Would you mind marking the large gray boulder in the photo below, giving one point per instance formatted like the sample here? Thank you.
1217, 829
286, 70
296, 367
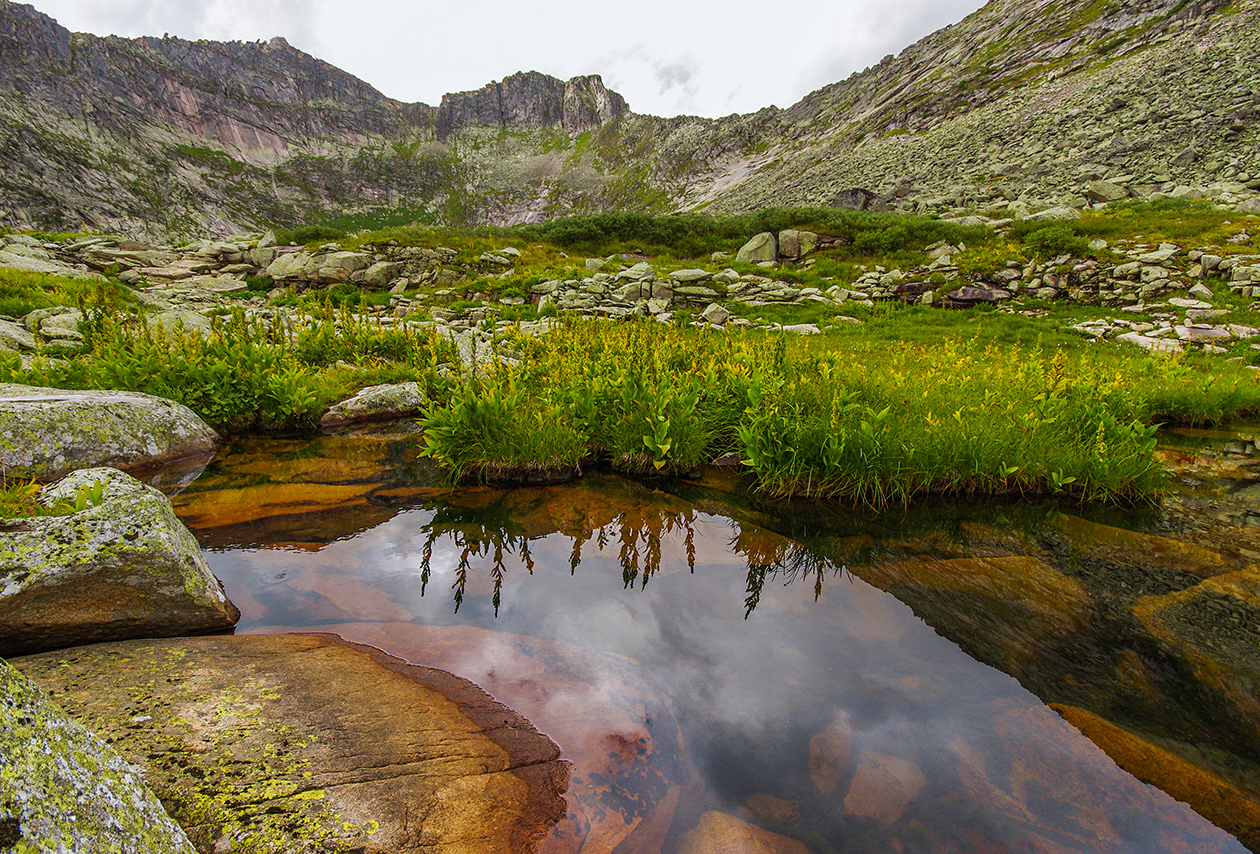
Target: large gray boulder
795, 245
125, 567
47, 432
763, 247
63, 789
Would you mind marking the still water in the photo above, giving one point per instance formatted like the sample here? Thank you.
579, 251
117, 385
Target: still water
722, 671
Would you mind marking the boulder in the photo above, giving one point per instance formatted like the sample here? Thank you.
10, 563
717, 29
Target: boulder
304, 743
1055, 214
719, 833
377, 403
46, 432
883, 788
15, 337
762, 247
64, 789
688, 276
715, 314
830, 754
1105, 191
856, 199
337, 267
795, 245
123, 567
295, 265
381, 273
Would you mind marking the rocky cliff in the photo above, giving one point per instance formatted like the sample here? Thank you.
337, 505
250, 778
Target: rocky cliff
1023, 103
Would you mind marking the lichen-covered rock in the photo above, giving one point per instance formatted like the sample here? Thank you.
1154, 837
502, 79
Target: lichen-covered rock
303, 744
762, 247
47, 432
63, 789
377, 403
124, 568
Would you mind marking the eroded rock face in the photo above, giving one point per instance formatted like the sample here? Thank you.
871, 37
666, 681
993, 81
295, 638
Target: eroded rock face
304, 743
47, 432
377, 403
124, 568
63, 789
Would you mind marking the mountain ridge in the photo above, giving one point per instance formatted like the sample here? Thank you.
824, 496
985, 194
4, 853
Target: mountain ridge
168, 136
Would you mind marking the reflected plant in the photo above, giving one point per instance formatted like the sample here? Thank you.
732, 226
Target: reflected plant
488, 535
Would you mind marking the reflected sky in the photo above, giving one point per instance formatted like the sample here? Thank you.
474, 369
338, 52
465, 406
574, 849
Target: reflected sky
619, 622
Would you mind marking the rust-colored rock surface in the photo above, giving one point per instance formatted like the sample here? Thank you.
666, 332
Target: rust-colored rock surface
305, 743
719, 833
1212, 797
611, 721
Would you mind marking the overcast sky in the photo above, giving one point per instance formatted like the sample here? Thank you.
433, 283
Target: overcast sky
666, 57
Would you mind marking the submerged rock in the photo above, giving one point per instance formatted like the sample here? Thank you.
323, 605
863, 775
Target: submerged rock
377, 403
47, 432
304, 743
123, 568
63, 789
719, 833
883, 788
1215, 627
1212, 797
1002, 610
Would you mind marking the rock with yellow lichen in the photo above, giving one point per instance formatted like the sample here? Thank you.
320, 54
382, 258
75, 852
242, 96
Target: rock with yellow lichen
63, 789
121, 567
47, 432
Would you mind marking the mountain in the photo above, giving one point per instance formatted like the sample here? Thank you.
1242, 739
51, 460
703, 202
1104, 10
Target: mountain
1024, 102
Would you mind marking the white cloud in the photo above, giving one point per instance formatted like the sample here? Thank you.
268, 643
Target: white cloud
665, 57
220, 20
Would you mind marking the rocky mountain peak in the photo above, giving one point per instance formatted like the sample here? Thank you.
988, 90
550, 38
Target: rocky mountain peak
532, 100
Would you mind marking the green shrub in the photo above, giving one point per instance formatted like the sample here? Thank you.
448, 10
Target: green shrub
1053, 240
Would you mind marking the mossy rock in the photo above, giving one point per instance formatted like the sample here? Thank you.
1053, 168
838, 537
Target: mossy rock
63, 789
47, 432
123, 568
304, 743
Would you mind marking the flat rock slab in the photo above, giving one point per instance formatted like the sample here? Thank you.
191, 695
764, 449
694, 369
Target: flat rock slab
64, 789
47, 432
305, 743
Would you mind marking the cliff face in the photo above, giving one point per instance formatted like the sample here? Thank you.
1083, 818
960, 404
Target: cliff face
1024, 99
531, 100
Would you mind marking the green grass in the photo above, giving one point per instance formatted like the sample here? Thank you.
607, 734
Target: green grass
854, 416
247, 374
22, 292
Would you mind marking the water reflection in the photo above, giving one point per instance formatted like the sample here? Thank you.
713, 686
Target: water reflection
754, 686
490, 536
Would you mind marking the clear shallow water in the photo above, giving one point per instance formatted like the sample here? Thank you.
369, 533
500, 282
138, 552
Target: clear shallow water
617, 618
